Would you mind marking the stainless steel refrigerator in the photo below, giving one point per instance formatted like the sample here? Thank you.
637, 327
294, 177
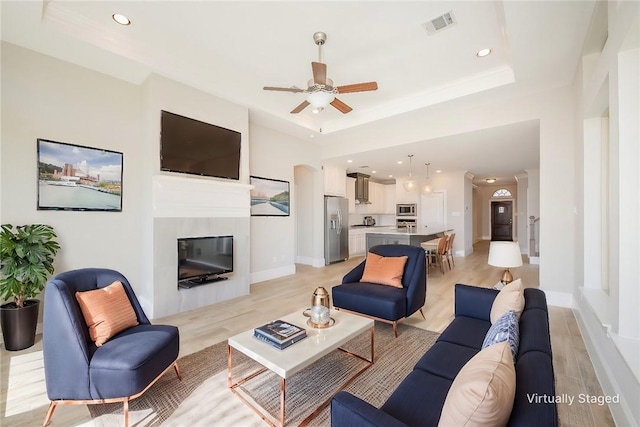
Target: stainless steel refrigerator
336, 229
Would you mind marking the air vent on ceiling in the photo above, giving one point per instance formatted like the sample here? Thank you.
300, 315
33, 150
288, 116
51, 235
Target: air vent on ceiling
440, 23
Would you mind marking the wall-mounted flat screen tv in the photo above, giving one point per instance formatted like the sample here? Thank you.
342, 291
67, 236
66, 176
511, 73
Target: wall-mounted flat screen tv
77, 178
204, 259
198, 148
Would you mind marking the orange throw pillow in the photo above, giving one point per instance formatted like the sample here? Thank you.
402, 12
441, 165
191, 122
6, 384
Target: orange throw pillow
384, 270
107, 312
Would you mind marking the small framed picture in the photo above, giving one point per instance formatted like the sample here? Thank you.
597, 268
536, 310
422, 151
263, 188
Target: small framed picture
269, 197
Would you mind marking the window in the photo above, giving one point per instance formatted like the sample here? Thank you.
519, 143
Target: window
503, 192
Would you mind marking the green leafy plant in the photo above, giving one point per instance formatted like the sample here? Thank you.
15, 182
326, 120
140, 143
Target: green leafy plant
26, 256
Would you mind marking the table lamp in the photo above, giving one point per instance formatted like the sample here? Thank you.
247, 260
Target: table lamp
506, 255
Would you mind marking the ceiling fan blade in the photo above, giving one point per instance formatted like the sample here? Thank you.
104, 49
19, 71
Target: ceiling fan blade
319, 73
358, 87
300, 107
341, 106
284, 89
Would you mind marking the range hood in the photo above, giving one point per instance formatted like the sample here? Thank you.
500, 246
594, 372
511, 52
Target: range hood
362, 187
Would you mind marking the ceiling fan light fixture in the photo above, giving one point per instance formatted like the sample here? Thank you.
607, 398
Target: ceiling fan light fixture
320, 100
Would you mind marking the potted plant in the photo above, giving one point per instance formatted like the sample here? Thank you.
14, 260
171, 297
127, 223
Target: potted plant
26, 256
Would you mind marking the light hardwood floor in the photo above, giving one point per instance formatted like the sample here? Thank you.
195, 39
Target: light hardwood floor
23, 400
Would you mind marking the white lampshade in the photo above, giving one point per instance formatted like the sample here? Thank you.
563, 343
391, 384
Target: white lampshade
505, 254
320, 99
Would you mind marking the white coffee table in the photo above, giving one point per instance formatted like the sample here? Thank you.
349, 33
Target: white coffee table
287, 362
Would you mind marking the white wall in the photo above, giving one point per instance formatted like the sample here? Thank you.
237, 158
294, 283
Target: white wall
47, 98
273, 239
522, 229
607, 292
189, 206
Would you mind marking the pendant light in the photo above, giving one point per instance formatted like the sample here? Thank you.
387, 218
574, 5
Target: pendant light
410, 184
428, 188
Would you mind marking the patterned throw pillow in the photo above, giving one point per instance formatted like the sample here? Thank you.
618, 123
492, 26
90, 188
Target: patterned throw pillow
107, 311
506, 328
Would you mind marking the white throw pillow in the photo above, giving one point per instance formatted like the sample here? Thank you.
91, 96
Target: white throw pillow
511, 297
482, 393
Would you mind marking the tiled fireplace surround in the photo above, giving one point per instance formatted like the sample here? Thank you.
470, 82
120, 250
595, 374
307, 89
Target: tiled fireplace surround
195, 207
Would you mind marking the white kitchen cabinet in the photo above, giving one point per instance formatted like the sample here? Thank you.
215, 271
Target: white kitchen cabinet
357, 242
360, 244
382, 198
373, 197
390, 199
335, 181
352, 243
351, 194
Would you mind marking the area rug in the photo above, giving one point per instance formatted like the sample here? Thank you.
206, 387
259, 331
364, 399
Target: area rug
203, 399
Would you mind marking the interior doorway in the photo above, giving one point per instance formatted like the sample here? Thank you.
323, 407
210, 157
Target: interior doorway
502, 220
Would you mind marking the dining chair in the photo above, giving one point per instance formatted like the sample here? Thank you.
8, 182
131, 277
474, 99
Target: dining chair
441, 253
430, 247
449, 250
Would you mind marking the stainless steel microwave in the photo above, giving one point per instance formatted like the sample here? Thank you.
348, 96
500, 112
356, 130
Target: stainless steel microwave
406, 209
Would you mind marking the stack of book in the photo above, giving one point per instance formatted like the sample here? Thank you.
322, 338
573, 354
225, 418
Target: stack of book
280, 334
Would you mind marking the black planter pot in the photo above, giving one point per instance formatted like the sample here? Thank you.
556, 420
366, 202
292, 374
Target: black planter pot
19, 324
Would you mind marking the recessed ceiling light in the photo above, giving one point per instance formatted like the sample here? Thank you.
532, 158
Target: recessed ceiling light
483, 52
373, 171
438, 171
349, 161
390, 176
312, 136
490, 180
121, 19
399, 162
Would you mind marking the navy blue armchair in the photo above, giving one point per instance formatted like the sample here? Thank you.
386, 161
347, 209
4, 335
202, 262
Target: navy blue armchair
381, 302
78, 372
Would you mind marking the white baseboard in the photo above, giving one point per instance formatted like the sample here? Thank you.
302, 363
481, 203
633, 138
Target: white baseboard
274, 273
614, 374
560, 299
307, 260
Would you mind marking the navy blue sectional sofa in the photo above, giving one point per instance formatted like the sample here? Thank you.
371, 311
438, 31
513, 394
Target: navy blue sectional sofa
419, 398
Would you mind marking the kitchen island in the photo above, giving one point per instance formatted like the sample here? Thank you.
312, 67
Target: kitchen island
400, 236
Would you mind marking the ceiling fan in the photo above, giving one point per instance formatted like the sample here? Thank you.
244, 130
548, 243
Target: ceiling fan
320, 90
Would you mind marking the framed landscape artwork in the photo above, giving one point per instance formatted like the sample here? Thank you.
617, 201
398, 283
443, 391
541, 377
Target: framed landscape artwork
269, 197
73, 177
